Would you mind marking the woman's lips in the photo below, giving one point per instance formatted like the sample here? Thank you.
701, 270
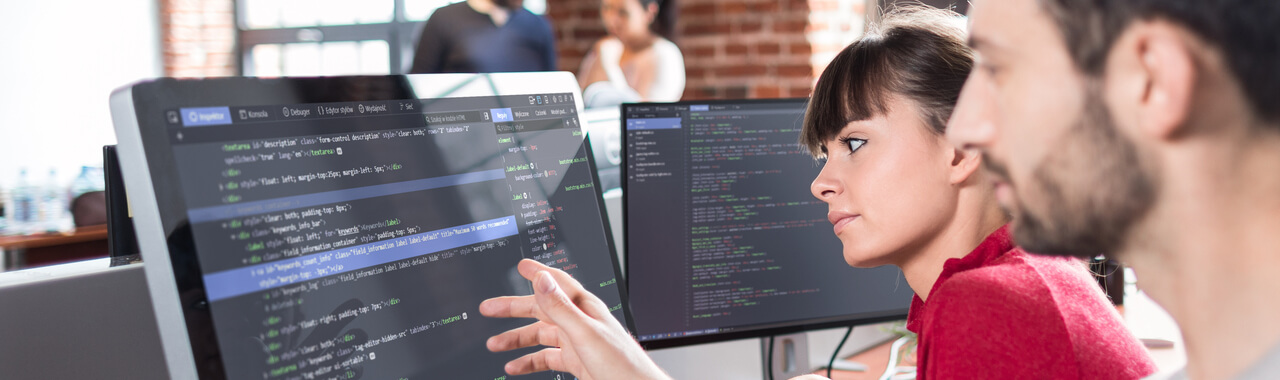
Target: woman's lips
844, 221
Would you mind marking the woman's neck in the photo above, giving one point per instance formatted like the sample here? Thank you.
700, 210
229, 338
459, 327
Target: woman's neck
978, 216
639, 44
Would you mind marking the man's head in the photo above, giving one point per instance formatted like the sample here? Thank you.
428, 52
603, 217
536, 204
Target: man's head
1074, 101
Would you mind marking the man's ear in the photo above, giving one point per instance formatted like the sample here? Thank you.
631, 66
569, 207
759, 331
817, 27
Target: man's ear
964, 162
1151, 78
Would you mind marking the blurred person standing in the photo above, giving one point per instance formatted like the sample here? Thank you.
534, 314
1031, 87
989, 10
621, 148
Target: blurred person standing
484, 36
637, 60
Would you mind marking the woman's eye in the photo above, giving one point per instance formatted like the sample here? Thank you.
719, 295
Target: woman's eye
853, 144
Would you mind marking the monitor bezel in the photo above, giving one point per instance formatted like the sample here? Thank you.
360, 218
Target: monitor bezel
780, 328
142, 161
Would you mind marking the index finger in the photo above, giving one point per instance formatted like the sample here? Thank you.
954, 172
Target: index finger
529, 269
510, 307
589, 303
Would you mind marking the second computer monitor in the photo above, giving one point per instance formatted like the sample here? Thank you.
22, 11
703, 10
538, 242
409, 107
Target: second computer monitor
724, 240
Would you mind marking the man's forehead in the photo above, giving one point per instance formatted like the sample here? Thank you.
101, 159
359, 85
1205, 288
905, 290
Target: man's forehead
987, 20
1000, 25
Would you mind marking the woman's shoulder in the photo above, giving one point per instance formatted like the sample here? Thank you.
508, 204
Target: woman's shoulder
664, 47
1013, 281
1008, 301
609, 45
607, 41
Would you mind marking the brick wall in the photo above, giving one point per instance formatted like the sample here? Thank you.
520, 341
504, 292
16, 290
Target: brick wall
733, 48
199, 38
576, 25
833, 24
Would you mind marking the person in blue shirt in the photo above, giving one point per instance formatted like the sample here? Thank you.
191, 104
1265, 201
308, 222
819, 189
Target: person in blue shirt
484, 36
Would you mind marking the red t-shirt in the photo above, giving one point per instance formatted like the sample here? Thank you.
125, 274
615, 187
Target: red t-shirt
1000, 313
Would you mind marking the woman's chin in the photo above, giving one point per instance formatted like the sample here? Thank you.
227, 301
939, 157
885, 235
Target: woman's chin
861, 260
859, 254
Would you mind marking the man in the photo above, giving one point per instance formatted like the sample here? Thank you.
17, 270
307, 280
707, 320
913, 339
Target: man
1148, 130
484, 36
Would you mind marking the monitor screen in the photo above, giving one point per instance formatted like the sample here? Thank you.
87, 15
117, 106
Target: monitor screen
724, 239
349, 227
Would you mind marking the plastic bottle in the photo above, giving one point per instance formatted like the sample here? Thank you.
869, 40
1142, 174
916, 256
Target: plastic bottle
83, 183
53, 205
23, 207
98, 178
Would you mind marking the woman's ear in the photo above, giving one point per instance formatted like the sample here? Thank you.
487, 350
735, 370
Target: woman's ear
652, 11
964, 162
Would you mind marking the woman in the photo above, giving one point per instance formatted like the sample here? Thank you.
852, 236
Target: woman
636, 61
898, 194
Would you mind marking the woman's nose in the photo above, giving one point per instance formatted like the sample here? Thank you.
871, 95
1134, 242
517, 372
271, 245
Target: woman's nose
826, 185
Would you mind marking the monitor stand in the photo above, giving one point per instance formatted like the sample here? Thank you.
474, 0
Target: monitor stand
790, 356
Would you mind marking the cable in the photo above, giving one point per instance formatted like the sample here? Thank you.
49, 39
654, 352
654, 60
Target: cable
835, 353
769, 358
892, 369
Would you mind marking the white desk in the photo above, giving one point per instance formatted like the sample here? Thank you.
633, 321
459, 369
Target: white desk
80, 320
1148, 321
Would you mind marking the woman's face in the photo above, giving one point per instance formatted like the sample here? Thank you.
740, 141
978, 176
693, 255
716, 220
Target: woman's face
628, 20
886, 184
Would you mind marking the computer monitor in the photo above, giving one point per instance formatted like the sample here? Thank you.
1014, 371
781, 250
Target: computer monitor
349, 227
122, 239
724, 240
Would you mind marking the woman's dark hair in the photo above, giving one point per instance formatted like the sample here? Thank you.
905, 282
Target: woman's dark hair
664, 23
916, 52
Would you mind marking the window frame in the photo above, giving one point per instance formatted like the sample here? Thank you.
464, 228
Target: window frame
400, 34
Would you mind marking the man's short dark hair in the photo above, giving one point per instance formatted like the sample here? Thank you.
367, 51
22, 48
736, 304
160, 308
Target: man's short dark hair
1247, 32
915, 52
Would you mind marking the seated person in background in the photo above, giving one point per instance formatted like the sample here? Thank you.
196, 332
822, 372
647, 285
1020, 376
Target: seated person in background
484, 36
636, 62
899, 194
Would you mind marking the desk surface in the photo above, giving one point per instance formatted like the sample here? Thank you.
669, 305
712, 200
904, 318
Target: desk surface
80, 234
875, 358
1146, 319
51, 248
17, 277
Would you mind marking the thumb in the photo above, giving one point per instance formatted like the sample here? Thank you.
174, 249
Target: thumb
556, 304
